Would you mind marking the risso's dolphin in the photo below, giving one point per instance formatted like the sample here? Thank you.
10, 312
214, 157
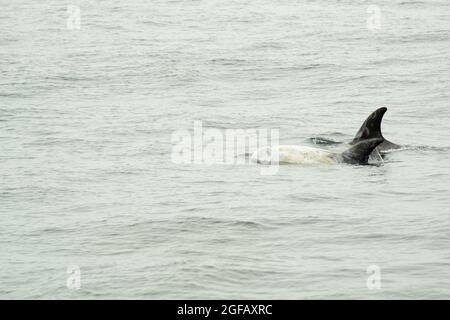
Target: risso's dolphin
371, 128
368, 143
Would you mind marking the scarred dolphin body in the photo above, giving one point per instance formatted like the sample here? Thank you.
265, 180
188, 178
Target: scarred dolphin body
368, 141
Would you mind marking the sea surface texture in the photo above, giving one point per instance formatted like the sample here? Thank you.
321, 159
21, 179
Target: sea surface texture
93, 205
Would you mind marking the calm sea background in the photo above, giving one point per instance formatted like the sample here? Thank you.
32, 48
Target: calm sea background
86, 178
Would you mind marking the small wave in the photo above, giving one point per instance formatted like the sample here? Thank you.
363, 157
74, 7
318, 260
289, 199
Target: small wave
412, 3
323, 141
229, 62
190, 223
418, 148
218, 221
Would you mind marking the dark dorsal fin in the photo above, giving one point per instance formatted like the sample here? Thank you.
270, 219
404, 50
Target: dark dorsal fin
360, 152
371, 128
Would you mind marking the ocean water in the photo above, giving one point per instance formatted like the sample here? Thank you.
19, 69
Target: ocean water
88, 190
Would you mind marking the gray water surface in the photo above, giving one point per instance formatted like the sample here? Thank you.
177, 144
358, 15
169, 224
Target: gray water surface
86, 177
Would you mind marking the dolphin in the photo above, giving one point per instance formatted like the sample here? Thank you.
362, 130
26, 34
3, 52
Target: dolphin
371, 128
367, 144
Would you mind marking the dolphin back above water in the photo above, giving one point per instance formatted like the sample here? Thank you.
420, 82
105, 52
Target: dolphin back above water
367, 140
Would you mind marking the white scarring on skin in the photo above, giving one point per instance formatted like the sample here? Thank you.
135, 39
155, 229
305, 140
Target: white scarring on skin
293, 154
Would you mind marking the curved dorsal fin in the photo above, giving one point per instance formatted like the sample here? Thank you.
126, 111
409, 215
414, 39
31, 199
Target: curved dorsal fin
371, 128
360, 152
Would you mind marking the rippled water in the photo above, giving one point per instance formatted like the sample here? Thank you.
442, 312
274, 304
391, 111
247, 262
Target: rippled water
86, 118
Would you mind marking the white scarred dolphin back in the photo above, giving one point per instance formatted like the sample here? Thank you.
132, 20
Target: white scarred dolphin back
293, 154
